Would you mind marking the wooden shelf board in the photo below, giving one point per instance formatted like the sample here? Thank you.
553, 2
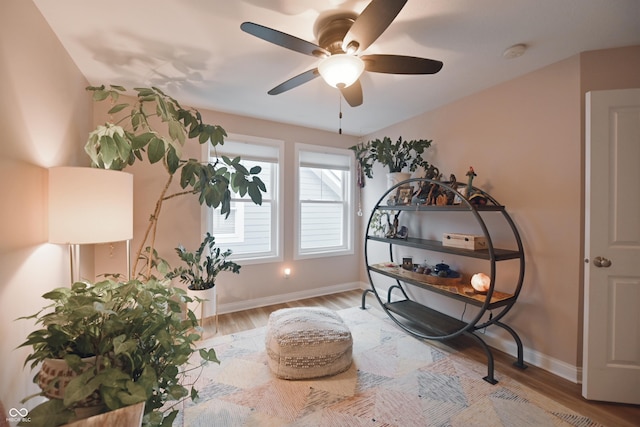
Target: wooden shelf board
452, 287
425, 320
437, 246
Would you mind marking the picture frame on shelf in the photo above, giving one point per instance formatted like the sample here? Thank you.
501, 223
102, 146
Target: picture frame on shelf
404, 195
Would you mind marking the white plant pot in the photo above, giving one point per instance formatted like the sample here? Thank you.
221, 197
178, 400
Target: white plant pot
203, 309
395, 177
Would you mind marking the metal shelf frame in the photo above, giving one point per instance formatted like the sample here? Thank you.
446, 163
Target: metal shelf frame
427, 323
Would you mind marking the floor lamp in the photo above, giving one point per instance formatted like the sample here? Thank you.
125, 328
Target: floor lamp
88, 206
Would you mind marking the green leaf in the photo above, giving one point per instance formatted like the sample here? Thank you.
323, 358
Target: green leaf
173, 161
112, 377
171, 371
209, 355
51, 413
177, 392
117, 108
135, 393
123, 146
108, 150
156, 150
141, 141
259, 183
161, 108
122, 346
74, 361
56, 294
144, 91
204, 136
135, 120
239, 167
187, 176
218, 136
194, 128
80, 387
100, 95
255, 194
176, 131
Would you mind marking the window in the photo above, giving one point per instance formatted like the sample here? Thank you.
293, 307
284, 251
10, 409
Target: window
252, 232
324, 201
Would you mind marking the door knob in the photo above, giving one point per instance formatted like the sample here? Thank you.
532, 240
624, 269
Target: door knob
601, 262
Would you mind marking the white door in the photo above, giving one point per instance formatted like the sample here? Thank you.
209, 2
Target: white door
611, 353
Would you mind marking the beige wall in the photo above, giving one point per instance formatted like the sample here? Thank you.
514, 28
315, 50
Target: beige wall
44, 117
525, 140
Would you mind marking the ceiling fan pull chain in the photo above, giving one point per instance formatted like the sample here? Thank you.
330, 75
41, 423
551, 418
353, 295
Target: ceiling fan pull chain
340, 114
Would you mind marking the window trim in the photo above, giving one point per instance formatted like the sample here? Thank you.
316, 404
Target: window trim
276, 254
348, 214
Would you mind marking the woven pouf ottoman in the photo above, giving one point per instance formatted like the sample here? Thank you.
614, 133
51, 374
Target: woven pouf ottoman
307, 342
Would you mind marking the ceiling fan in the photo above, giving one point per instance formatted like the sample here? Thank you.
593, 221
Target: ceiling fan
340, 41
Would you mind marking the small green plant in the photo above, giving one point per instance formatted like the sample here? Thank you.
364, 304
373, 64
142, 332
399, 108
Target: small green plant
201, 274
381, 222
394, 156
140, 334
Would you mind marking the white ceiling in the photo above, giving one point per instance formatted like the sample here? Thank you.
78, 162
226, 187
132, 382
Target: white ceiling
196, 52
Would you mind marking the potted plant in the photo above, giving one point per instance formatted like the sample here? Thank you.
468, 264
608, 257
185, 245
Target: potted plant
200, 271
140, 342
395, 156
136, 334
201, 274
134, 133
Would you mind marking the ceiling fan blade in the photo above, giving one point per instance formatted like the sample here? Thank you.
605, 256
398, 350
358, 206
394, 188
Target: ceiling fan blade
374, 19
353, 94
283, 39
398, 64
295, 81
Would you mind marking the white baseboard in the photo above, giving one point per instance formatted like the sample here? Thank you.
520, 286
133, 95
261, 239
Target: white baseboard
282, 298
535, 358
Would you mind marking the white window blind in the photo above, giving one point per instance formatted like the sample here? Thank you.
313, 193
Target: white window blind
252, 232
324, 219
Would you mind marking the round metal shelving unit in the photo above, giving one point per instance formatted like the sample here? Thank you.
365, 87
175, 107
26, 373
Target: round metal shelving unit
427, 323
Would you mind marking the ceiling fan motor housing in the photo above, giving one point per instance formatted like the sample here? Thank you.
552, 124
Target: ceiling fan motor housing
332, 33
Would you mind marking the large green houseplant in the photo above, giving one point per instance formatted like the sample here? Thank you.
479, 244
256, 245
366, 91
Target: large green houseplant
395, 156
156, 127
203, 265
138, 329
142, 341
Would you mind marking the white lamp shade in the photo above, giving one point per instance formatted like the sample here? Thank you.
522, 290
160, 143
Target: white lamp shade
341, 69
88, 205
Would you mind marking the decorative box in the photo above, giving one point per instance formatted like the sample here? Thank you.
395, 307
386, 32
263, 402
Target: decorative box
464, 241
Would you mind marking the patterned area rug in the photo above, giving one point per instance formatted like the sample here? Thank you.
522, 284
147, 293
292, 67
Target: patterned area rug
395, 380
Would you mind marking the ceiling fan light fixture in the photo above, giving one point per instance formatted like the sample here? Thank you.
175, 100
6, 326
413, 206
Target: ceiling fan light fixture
341, 69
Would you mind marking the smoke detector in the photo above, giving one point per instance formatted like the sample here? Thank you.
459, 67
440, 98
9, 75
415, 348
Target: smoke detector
514, 51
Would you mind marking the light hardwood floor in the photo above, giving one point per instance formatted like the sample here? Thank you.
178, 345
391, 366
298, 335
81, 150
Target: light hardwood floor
552, 386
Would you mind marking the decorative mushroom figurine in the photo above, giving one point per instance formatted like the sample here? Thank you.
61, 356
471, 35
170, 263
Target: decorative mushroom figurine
481, 283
